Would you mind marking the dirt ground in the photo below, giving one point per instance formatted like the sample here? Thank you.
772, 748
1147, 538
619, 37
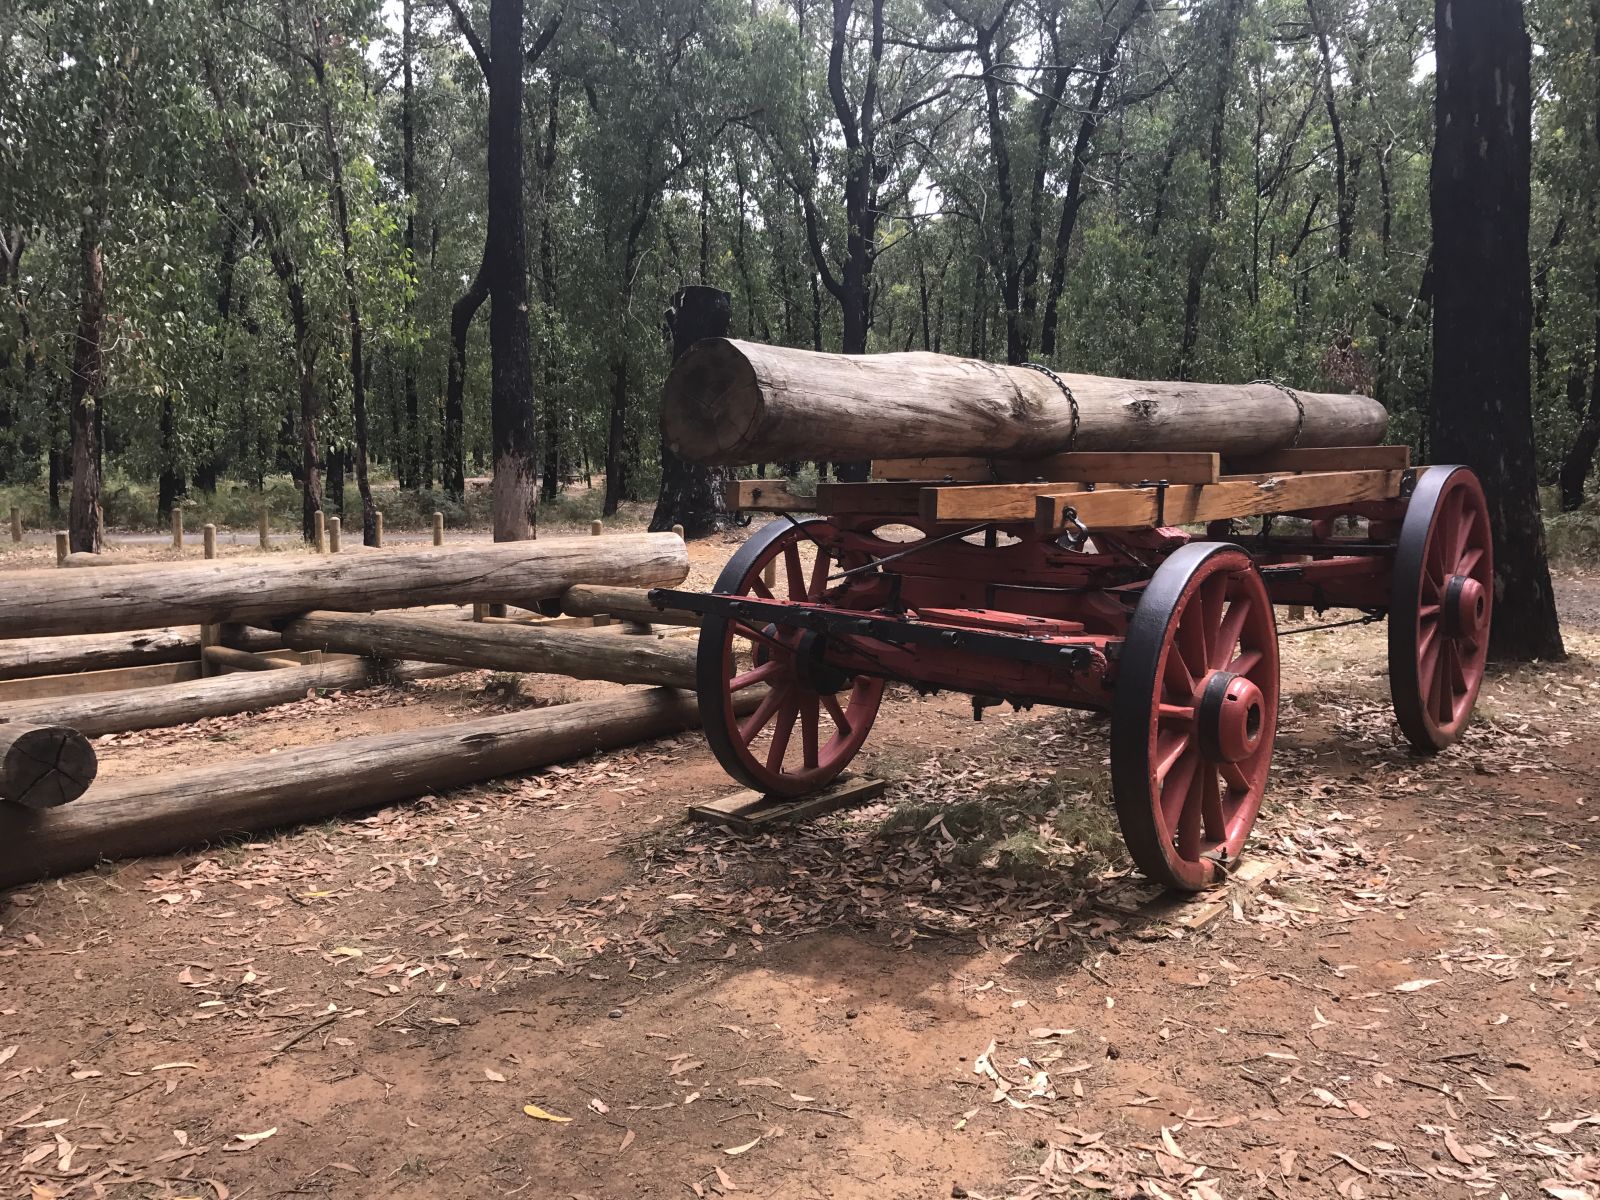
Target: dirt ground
555, 986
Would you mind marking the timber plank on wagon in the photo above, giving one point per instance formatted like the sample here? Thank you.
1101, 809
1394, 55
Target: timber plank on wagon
1323, 458
1195, 504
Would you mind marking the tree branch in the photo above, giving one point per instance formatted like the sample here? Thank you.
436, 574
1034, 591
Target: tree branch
464, 24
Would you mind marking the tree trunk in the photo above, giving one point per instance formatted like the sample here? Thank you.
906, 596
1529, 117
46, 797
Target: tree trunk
411, 450
514, 435
1482, 317
219, 696
580, 654
51, 602
88, 378
691, 494
730, 402
452, 451
358, 374
203, 804
1203, 243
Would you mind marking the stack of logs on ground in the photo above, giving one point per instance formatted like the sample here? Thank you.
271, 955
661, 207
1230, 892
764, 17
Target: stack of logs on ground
122, 648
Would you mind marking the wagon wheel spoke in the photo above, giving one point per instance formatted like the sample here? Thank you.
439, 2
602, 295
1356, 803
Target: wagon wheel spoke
1469, 561
755, 675
1176, 674
808, 729
1232, 626
770, 703
1189, 820
1175, 712
840, 720
781, 731
819, 575
1216, 824
1173, 793
794, 571
1247, 661
1168, 758
760, 588
1235, 774
760, 635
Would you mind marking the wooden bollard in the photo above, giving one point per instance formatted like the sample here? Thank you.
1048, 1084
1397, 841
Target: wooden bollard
63, 546
319, 525
377, 529
177, 528
16, 523
678, 529
335, 529
210, 635
438, 529
769, 574
208, 534
266, 528
597, 527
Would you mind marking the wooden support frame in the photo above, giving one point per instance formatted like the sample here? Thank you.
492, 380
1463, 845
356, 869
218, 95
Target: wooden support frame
766, 495
1080, 466
1194, 504
1321, 459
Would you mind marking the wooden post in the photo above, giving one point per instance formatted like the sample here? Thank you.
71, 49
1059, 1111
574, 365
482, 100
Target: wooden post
377, 529
266, 528
63, 546
335, 528
16, 523
769, 574
678, 529
438, 529
177, 527
210, 635
320, 531
44, 766
597, 527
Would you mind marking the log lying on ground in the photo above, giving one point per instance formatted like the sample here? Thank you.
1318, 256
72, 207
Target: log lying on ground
168, 812
44, 766
732, 402
625, 604
220, 696
497, 647
28, 657
47, 603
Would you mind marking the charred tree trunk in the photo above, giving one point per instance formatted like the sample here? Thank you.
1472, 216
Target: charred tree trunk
452, 450
691, 494
413, 473
1204, 243
83, 519
358, 374
1482, 409
514, 436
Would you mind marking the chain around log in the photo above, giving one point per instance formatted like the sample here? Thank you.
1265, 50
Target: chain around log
1072, 401
1299, 406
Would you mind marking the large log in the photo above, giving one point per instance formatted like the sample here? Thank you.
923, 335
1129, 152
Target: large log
167, 812
729, 401
219, 696
625, 604
28, 657
497, 647
44, 766
48, 603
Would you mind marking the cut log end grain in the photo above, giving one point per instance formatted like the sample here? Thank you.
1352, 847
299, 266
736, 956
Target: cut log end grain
730, 402
44, 766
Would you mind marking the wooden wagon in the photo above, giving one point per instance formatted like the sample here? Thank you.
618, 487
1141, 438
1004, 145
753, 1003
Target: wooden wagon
1084, 580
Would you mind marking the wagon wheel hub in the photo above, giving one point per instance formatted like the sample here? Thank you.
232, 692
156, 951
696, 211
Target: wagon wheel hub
811, 668
1231, 713
1466, 607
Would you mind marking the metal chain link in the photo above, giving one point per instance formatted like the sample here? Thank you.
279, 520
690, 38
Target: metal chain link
1072, 401
1299, 406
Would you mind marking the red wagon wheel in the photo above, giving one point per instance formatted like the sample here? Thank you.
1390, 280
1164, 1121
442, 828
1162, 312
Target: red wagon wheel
833, 711
1442, 602
1194, 715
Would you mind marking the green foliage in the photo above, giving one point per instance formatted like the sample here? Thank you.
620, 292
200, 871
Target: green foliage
679, 141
